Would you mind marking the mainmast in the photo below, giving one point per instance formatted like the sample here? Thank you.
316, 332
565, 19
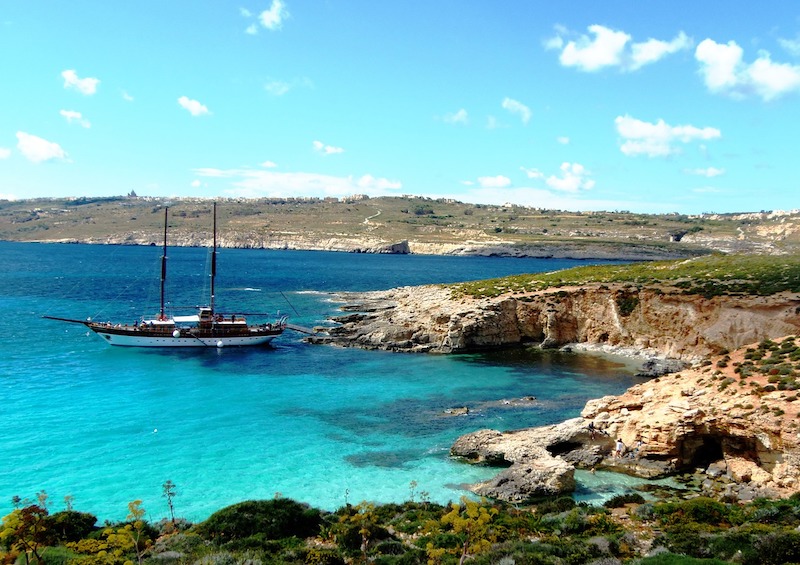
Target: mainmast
161, 315
214, 259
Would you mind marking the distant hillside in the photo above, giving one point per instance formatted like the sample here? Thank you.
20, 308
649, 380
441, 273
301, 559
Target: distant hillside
398, 225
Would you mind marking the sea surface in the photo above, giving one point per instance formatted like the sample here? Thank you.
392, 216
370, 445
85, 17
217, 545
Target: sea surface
320, 424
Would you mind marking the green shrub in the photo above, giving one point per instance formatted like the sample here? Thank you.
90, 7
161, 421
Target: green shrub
622, 499
272, 519
70, 525
779, 547
700, 510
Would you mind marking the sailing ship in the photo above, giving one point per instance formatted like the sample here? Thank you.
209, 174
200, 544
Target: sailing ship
205, 328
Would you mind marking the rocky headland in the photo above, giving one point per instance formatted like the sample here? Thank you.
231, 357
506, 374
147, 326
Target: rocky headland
722, 400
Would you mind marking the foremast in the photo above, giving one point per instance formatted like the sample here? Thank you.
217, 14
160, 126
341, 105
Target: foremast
161, 314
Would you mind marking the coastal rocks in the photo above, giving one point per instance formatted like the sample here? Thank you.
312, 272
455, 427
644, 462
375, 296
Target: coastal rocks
530, 479
741, 440
662, 324
533, 459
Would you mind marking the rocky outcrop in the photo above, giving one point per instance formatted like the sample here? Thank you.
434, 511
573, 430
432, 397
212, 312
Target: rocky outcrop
656, 322
741, 429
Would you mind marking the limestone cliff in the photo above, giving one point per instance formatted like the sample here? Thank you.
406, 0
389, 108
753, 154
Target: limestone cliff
662, 322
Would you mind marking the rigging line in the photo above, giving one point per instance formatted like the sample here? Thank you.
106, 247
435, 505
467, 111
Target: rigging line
289, 303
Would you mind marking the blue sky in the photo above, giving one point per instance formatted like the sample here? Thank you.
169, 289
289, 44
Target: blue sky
656, 106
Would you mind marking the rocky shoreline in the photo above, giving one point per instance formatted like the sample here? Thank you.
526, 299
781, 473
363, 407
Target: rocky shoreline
698, 414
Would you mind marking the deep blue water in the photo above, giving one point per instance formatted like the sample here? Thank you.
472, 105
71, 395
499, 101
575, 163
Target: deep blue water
320, 424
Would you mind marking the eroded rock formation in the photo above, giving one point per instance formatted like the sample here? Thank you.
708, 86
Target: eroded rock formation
660, 323
743, 428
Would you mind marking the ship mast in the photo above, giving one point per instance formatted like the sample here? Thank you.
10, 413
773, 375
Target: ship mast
161, 315
214, 259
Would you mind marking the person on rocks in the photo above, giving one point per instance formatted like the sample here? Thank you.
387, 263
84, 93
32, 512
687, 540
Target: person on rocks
637, 448
592, 430
619, 449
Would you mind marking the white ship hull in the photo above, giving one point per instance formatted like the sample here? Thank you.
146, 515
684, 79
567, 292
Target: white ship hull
127, 340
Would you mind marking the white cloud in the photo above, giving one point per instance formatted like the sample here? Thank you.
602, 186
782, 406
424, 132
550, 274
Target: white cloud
272, 18
323, 149
277, 87
73, 116
196, 184
252, 29
368, 182
5, 153
654, 50
725, 72
269, 165
574, 177
499, 181
563, 140
533, 173
592, 54
194, 107
281, 87
792, 46
86, 86
38, 150
518, 108
245, 13
459, 117
658, 139
708, 172
127, 97
252, 183
611, 48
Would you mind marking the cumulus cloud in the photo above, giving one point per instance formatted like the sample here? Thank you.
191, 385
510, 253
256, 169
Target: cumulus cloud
38, 150
563, 140
658, 139
277, 87
85, 86
498, 181
533, 173
708, 172
792, 46
459, 117
573, 178
281, 87
612, 48
517, 108
5, 153
75, 117
654, 50
194, 107
269, 165
254, 183
273, 18
323, 149
127, 97
725, 72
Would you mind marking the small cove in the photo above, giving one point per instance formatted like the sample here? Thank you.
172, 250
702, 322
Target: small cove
320, 424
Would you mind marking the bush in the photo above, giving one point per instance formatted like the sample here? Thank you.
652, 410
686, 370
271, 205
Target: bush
70, 525
701, 510
622, 499
272, 519
779, 547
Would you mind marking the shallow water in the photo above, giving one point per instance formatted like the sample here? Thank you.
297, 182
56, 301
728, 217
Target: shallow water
320, 424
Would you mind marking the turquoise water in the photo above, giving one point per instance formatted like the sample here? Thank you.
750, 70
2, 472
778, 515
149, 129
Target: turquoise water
319, 424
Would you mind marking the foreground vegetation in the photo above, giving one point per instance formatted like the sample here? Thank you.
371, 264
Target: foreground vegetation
278, 531
709, 276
